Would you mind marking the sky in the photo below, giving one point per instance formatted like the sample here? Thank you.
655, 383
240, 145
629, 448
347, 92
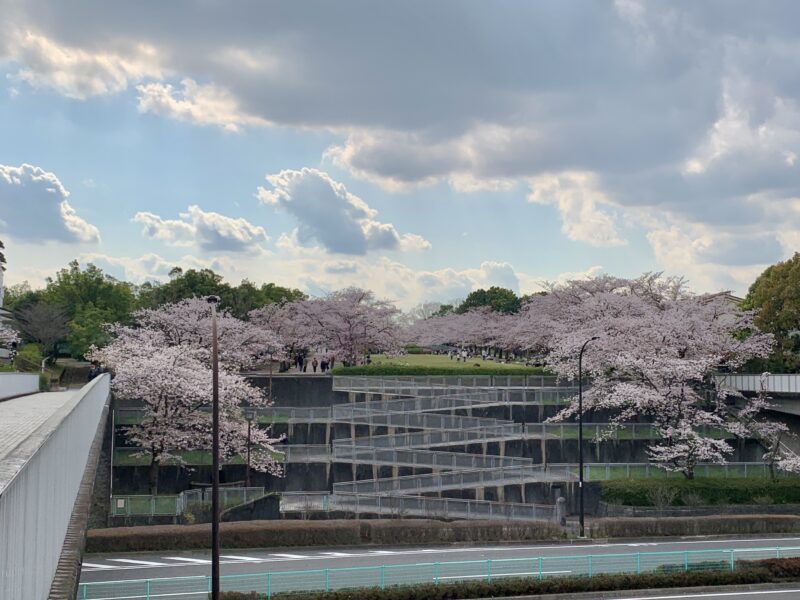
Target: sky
420, 149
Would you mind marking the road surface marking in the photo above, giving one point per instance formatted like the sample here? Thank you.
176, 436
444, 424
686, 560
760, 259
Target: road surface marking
96, 566
484, 575
247, 558
197, 561
138, 562
293, 556
338, 554
380, 552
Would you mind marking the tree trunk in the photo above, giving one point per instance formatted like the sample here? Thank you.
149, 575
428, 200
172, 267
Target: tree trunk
153, 477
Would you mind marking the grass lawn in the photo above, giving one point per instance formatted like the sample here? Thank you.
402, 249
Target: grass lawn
439, 361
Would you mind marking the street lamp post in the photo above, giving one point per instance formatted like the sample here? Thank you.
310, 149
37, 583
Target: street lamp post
249, 414
580, 434
213, 300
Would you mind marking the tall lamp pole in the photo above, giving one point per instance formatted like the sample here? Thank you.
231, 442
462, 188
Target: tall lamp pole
580, 434
213, 301
249, 415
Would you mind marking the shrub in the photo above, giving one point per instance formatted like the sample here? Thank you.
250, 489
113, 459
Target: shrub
29, 358
241, 534
388, 370
782, 568
682, 526
422, 531
705, 490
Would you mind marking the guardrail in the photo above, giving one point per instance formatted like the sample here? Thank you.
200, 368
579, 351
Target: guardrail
386, 576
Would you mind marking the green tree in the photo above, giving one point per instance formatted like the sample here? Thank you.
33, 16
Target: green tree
182, 285
87, 328
498, 299
89, 294
775, 295
21, 295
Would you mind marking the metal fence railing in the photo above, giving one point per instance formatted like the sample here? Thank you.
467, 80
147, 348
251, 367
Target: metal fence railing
450, 480
386, 576
174, 505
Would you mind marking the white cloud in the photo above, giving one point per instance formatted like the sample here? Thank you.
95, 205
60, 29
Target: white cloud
210, 231
81, 73
34, 207
577, 197
152, 267
327, 213
200, 104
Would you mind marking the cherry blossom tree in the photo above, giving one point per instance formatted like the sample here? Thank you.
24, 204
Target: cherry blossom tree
657, 350
347, 324
8, 335
163, 360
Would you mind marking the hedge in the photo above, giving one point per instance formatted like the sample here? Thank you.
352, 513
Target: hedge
628, 527
703, 490
241, 534
344, 532
424, 531
507, 587
410, 370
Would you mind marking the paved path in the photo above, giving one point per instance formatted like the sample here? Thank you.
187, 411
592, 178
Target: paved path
113, 567
20, 417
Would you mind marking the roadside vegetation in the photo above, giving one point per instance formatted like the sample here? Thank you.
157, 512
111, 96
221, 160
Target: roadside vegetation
707, 574
702, 491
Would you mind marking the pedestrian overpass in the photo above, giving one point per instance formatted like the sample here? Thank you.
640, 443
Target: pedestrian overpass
784, 389
49, 447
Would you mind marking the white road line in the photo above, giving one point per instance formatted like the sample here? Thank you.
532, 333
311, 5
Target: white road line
138, 562
380, 552
245, 558
338, 554
585, 549
96, 566
483, 575
718, 594
196, 561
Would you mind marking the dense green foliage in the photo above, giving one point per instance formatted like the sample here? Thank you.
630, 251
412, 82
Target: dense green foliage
91, 298
240, 299
505, 587
496, 298
466, 369
29, 358
776, 297
702, 491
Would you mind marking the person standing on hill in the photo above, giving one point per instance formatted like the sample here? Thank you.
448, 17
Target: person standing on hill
314, 364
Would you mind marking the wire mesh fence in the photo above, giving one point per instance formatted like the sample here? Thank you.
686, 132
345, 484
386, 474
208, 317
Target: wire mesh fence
385, 576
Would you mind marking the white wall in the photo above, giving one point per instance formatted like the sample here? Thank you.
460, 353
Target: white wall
37, 503
17, 384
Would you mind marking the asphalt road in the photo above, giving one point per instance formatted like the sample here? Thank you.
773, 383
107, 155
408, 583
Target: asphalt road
780, 594
165, 564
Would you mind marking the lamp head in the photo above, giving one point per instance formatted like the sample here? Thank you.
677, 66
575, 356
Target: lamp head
212, 299
595, 338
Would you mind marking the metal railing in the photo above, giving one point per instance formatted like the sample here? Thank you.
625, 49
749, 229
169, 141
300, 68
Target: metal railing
386, 576
380, 384
432, 482
174, 505
424, 458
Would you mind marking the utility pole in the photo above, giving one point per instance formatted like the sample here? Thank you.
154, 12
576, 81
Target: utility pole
580, 434
213, 301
